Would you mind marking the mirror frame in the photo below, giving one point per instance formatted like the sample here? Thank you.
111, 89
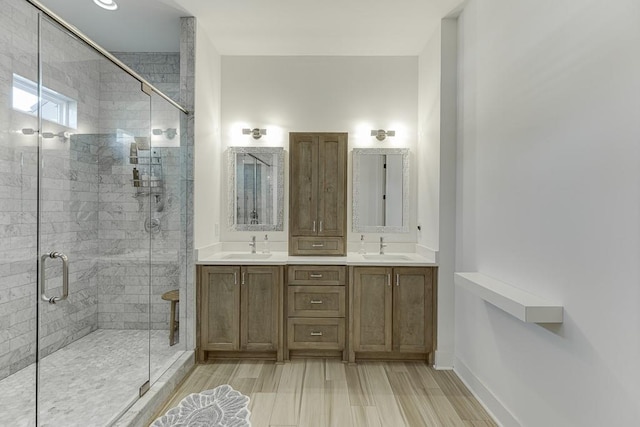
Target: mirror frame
232, 153
356, 226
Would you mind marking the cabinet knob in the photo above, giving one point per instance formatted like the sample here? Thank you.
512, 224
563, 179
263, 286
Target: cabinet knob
315, 276
317, 245
316, 334
316, 301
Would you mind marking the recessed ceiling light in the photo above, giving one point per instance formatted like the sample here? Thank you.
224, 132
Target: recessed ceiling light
106, 4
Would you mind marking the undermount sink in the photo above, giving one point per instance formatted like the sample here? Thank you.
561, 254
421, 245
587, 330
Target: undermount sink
247, 256
386, 257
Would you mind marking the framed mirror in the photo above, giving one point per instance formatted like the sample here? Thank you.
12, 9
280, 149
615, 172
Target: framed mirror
256, 188
381, 190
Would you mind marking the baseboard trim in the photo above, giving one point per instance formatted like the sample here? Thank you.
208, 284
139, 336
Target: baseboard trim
500, 414
444, 361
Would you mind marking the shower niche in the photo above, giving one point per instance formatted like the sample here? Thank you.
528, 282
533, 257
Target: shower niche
147, 175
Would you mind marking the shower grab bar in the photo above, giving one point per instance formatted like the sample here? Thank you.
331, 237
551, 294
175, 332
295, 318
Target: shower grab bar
65, 277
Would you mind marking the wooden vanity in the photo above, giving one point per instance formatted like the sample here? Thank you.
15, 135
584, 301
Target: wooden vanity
239, 311
317, 300
316, 310
347, 311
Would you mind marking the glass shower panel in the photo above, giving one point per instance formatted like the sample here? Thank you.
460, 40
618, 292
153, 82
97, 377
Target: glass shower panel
168, 255
18, 220
94, 250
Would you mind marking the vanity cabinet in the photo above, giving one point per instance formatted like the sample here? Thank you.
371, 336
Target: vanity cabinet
393, 314
239, 311
317, 193
316, 308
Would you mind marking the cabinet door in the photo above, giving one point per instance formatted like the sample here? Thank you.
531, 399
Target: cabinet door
220, 309
372, 308
259, 311
332, 184
413, 310
303, 185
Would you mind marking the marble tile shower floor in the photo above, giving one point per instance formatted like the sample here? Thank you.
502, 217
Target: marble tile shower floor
87, 383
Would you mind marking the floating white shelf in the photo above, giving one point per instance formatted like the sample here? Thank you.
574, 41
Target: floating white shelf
518, 303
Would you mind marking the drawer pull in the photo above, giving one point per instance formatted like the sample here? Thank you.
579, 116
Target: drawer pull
316, 301
316, 334
316, 276
317, 245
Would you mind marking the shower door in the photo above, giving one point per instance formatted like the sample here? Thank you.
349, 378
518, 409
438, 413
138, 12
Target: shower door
94, 270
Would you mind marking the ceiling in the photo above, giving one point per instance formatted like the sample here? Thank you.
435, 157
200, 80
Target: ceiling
259, 27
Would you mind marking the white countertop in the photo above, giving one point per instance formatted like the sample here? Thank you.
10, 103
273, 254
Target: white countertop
408, 259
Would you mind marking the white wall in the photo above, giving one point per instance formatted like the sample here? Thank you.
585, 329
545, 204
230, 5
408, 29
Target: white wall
429, 141
549, 200
208, 150
437, 171
320, 94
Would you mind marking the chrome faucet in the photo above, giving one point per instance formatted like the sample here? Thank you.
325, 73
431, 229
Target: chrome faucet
253, 244
382, 245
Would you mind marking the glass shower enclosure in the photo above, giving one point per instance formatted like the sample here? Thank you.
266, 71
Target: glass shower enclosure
92, 204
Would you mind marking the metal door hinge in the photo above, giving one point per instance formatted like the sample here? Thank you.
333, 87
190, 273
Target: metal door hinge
144, 388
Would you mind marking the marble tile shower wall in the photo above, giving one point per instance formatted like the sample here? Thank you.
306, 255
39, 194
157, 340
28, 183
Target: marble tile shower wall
68, 192
89, 210
123, 280
69, 224
161, 69
124, 301
18, 192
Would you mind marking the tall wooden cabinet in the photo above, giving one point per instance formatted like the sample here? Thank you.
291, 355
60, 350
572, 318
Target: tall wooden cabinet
239, 310
317, 193
393, 312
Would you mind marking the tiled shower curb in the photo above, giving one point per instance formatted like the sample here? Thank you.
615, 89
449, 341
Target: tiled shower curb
140, 414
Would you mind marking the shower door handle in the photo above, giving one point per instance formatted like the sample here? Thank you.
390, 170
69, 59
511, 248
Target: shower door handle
65, 277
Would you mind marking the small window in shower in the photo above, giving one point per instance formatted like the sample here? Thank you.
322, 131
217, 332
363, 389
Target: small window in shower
56, 107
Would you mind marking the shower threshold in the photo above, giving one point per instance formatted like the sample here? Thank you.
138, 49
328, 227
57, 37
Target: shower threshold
79, 386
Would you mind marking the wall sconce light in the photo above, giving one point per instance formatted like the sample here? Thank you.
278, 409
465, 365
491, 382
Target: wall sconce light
48, 135
382, 134
62, 135
170, 133
255, 132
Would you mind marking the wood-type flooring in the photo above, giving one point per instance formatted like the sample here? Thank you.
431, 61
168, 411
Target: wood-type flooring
325, 392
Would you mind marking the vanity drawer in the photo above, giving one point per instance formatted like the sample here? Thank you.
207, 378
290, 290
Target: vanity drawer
317, 245
316, 334
331, 275
316, 301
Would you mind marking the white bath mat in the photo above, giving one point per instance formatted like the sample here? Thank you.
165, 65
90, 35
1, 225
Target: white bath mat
221, 407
